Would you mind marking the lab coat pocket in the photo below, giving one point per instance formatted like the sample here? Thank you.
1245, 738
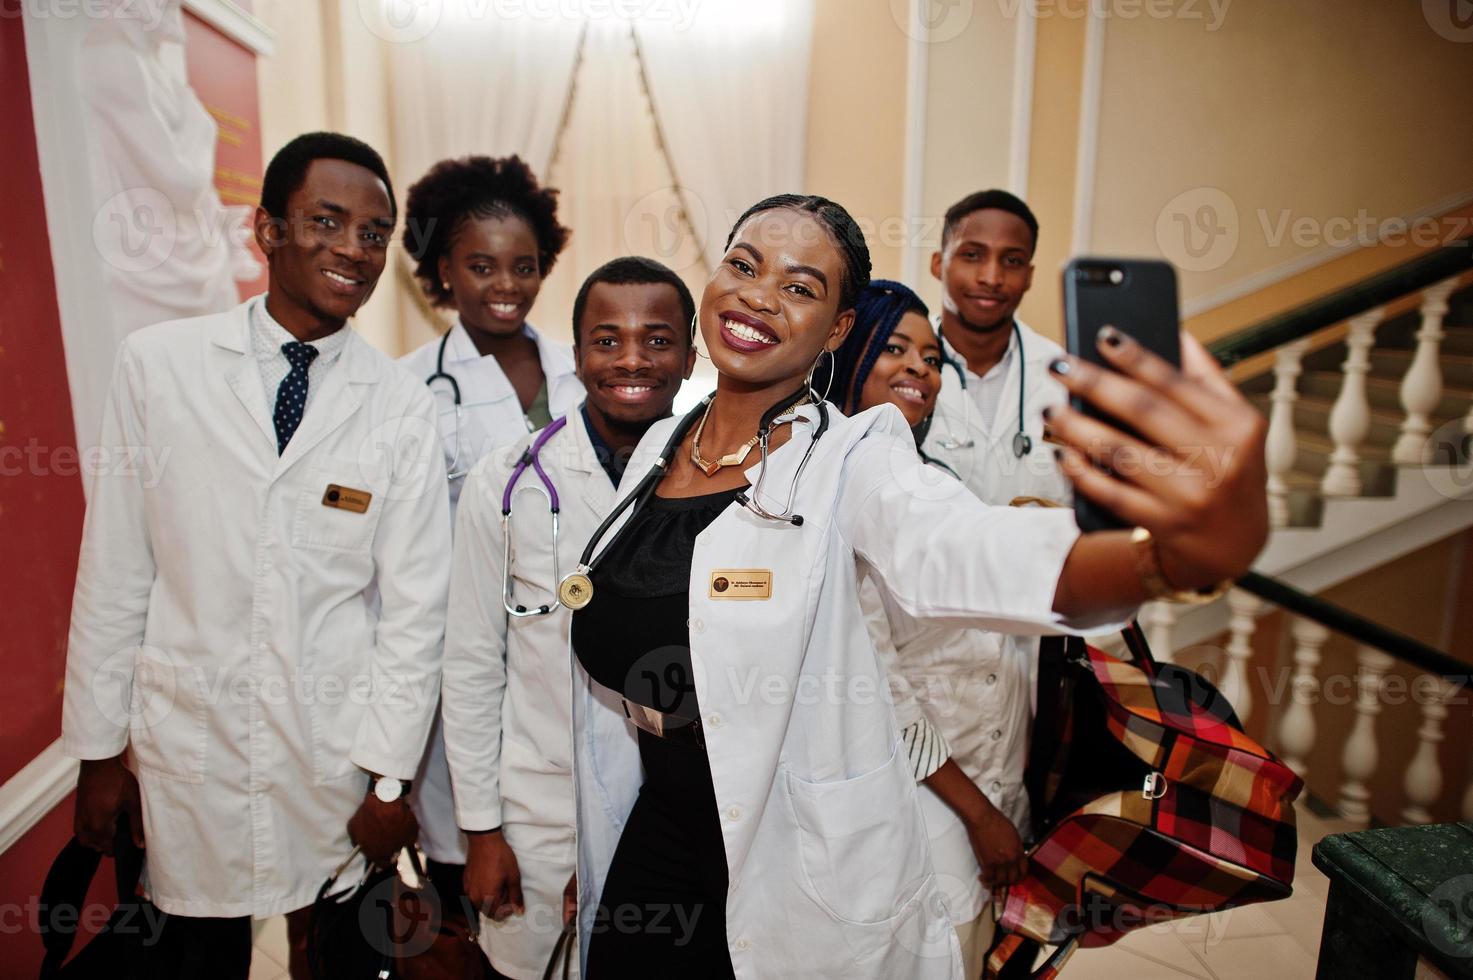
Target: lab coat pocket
330, 510
166, 730
861, 842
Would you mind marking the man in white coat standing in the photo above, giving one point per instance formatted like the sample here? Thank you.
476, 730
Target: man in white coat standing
507, 701
988, 425
988, 428
255, 637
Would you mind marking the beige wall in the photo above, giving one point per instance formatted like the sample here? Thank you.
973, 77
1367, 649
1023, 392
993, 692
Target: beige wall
1312, 110
968, 122
856, 116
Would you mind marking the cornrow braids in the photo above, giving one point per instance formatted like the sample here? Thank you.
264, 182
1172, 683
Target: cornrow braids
455, 191
877, 314
840, 224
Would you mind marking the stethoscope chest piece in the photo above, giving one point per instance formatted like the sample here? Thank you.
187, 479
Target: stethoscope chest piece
575, 590
1022, 444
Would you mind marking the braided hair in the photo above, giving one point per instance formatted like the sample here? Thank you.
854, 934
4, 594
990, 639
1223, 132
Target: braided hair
877, 314
846, 234
454, 191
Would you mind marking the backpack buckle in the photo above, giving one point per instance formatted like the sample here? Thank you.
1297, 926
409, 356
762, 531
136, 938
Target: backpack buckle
1155, 786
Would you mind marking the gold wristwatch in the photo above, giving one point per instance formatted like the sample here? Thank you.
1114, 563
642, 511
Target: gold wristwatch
1148, 566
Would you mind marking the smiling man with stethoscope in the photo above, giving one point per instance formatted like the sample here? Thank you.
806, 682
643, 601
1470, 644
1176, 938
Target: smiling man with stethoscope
526, 514
988, 425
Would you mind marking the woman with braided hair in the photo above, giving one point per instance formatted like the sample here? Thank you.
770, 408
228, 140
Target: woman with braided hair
962, 696
745, 806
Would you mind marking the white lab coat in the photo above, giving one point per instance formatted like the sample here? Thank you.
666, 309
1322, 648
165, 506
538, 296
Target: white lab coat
989, 468
233, 606
491, 417
506, 710
830, 871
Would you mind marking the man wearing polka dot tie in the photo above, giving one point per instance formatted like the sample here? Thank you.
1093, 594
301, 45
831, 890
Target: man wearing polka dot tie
253, 663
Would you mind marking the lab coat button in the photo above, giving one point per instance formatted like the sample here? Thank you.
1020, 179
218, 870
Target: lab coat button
991, 679
714, 720
699, 625
733, 813
743, 944
996, 734
996, 786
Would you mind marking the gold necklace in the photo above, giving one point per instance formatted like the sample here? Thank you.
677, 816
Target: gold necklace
735, 457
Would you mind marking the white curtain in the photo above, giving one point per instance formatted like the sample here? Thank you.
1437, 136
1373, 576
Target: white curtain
476, 83
615, 187
731, 93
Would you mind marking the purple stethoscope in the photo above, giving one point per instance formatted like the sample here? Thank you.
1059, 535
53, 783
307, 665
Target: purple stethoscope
530, 458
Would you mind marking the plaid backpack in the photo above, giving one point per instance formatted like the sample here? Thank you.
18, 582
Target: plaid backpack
1150, 804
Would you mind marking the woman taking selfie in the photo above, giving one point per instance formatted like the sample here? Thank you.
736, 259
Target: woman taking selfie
764, 822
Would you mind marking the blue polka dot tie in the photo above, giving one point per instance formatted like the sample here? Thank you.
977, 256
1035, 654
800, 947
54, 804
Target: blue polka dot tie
291, 394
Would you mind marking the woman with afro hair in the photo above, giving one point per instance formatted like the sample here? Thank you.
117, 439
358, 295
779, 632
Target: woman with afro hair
484, 234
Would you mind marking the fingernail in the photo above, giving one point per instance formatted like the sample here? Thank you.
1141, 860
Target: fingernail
1048, 413
1111, 337
1059, 365
1058, 456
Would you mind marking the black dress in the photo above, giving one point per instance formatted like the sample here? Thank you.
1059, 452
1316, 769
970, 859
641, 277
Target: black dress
663, 909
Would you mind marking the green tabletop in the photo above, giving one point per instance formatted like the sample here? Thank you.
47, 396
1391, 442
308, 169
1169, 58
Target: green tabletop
1397, 894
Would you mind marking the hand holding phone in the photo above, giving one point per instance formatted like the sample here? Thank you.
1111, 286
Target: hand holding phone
1176, 450
1136, 297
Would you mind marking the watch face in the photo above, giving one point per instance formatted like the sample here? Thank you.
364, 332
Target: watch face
388, 789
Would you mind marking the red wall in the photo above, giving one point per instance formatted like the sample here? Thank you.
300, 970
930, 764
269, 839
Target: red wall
223, 75
41, 500
40, 493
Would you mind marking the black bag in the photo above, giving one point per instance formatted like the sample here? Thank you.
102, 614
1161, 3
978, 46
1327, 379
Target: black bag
351, 932
117, 951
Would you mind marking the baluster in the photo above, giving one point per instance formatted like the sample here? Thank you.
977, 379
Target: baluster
1421, 389
1159, 621
1282, 447
1424, 776
1361, 753
1244, 622
1296, 727
1350, 419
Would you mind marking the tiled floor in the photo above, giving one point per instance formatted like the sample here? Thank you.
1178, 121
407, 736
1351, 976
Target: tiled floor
1262, 942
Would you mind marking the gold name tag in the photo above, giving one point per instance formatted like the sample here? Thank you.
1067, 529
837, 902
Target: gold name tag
346, 498
741, 583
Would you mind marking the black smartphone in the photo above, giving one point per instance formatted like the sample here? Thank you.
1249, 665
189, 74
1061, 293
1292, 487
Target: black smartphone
1135, 296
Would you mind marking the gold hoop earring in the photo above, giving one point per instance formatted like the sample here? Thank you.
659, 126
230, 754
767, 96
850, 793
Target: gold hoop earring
695, 333
829, 384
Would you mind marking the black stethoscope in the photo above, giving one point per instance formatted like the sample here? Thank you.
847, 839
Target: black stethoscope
1022, 441
452, 470
576, 590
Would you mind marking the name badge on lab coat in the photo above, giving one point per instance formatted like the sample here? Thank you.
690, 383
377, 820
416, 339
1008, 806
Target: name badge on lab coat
346, 498
741, 583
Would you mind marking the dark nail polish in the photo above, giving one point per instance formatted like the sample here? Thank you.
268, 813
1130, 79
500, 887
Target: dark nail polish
1111, 337
1058, 455
1048, 413
1059, 366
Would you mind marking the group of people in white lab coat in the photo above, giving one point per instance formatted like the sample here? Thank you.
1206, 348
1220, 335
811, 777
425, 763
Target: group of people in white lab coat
745, 693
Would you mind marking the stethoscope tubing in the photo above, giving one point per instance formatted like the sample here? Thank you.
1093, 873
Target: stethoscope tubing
1022, 442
